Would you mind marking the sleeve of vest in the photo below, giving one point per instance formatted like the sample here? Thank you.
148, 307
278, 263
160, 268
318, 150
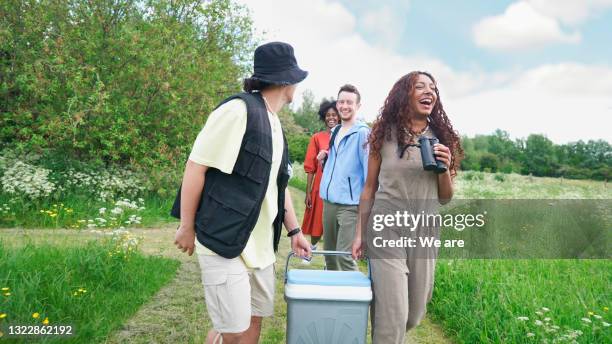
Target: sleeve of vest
218, 143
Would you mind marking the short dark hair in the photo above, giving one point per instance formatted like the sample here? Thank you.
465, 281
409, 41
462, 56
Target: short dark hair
350, 89
250, 85
325, 106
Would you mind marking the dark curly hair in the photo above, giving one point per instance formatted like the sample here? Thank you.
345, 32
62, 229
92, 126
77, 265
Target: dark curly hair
251, 85
325, 106
397, 112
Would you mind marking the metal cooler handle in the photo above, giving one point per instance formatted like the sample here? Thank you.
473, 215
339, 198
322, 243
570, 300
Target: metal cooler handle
325, 253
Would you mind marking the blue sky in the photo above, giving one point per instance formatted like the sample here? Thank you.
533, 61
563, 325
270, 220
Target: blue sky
444, 29
524, 66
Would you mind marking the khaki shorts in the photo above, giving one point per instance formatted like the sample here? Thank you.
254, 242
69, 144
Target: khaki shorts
234, 292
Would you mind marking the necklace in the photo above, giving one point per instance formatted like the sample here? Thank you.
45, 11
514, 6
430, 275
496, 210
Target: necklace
412, 133
268, 106
274, 119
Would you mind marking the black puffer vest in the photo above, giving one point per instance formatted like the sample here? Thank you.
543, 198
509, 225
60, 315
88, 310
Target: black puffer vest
230, 203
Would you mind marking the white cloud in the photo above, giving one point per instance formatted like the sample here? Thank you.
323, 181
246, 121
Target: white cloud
566, 102
570, 12
520, 27
327, 45
550, 99
568, 79
383, 23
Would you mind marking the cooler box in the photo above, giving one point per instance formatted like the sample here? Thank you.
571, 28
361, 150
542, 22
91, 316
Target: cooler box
325, 307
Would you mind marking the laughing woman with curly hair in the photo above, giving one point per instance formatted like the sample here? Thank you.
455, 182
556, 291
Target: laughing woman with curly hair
403, 284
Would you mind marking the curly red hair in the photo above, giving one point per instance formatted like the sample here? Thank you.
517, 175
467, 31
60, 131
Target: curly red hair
395, 116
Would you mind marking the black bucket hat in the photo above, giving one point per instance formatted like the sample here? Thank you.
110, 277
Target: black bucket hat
275, 63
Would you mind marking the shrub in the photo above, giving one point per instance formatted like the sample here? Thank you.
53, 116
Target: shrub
472, 175
122, 82
500, 177
297, 147
489, 162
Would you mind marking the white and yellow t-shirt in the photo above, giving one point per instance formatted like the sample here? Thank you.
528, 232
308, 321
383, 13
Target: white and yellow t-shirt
218, 145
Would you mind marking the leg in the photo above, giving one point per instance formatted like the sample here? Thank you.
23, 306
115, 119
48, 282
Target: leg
390, 304
314, 239
421, 263
262, 301
227, 293
330, 238
215, 337
347, 218
251, 336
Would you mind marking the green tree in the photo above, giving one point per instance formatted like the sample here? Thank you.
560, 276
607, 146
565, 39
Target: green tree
489, 162
297, 147
539, 156
120, 81
306, 116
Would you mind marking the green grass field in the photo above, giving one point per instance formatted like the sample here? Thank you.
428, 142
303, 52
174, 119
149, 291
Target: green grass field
483, 301
475, 301
94, 287
488, 301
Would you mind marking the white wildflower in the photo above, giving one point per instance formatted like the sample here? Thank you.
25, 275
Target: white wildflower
29, 180
523, 318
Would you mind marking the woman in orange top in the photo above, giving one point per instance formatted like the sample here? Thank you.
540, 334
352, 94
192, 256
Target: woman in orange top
313, 215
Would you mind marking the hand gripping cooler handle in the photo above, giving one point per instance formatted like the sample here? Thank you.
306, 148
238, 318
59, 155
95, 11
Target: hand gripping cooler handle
325, 253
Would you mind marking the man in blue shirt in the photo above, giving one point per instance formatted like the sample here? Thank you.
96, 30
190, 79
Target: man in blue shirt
343, 179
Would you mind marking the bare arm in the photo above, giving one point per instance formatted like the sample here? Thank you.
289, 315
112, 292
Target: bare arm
309, 181
299, 244
445, 187
366, 201
191, 191
445, 181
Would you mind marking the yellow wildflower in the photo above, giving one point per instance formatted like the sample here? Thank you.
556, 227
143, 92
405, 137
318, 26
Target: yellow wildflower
53, 215
75, 293
46, 321
7, 294
5, 289
591, 313
36, 315
606, 309
2, 315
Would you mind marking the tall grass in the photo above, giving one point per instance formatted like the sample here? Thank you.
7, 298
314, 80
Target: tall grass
522, 301
76, 211
93, 287
488, 301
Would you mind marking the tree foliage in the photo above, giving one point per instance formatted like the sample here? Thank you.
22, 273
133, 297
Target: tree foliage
539, 156
117, 81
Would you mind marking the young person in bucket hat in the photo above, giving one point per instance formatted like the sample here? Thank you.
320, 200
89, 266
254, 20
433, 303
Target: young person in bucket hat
234, 198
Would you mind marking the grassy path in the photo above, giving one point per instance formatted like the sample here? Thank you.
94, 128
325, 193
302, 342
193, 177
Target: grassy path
177, 313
